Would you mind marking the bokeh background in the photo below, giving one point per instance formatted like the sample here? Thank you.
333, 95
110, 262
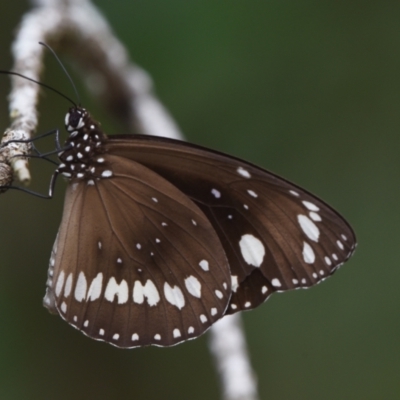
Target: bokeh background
307, 89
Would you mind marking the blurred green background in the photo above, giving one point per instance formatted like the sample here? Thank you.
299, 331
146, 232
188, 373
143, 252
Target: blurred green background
307, 89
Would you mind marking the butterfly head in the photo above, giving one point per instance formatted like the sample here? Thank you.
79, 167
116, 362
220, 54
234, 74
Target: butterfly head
76, 119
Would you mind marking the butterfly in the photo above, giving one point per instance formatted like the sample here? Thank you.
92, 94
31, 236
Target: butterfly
160, 238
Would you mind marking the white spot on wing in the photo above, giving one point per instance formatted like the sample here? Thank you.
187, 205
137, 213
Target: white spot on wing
135, 337
252, 250
193, 286
219, 294
101, 332
174, 295
114, 289
176, 333
203, 318
190, 330
148, 290
243, 172
314, 216
60, 283
157, 336
115, 336
264, 290
106, 173
94, 291
204, 265
214, 311
294, 193
276, 282
216, 193
252, 193
63, 307
328, 260
234, 283
340, 244
68, 285
310, 206
80, 288
308, 253
309, 228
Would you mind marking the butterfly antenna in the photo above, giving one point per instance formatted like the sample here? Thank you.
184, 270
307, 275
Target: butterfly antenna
38, 83
64, 69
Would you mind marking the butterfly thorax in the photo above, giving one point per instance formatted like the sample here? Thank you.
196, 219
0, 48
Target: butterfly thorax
83, 158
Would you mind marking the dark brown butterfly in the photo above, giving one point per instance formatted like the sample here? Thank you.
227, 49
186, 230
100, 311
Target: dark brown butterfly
160, 238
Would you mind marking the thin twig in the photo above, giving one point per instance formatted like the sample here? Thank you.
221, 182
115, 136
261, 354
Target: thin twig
228, 346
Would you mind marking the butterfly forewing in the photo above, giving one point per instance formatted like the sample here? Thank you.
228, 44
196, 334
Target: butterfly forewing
276, 235
136, 262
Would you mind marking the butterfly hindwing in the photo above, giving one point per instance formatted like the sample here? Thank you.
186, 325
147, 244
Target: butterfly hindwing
136, 262
276, 235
